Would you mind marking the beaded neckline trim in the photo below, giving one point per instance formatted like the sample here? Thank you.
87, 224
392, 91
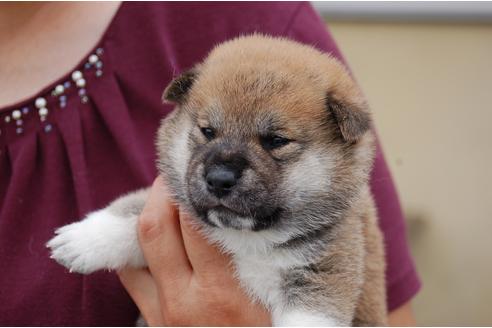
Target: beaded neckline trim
17, 116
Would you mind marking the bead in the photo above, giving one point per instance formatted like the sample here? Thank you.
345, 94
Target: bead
93, 59
16, 114
40, 102
43, 111
80, 83
77, 75
48, 127
59, 89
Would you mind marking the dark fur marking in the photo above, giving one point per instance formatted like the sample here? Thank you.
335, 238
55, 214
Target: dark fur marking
353, 122
312, 236
204, 216
225, 155
266, 222
177, 90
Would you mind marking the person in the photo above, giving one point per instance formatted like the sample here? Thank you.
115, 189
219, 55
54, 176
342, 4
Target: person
75, 134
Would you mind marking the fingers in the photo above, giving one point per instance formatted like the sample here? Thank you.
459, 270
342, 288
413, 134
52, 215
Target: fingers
173, 247
206, 259
161, 241
142, 289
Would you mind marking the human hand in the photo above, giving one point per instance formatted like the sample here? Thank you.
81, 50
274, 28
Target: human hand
189, 282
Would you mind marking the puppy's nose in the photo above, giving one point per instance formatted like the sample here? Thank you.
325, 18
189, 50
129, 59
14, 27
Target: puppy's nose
220, 180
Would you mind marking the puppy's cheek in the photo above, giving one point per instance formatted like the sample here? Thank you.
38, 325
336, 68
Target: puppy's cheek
196, 187
364, 155
194, 178
308, 177
180, 150
252, 194
260, 182
248, 177
250, 183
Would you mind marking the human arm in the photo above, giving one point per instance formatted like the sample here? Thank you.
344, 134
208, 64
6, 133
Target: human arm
402, 316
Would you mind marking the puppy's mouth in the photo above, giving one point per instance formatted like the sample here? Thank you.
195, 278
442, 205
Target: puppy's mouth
224, 217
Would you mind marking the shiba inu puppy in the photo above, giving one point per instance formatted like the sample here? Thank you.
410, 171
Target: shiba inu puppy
270, 149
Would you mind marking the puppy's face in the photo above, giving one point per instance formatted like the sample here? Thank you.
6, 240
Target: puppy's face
265, 140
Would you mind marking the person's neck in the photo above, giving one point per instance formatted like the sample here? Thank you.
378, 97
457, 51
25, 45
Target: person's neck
42, 41
14, 15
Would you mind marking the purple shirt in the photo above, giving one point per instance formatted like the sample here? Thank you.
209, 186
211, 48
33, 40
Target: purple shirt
94, 140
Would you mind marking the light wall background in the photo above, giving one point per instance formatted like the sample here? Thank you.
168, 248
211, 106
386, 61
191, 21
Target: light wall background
430, 89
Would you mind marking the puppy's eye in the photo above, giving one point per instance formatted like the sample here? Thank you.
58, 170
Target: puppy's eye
209, 133
273, 142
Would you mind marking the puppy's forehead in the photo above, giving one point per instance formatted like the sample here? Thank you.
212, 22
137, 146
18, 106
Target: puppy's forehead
257, 77
251, 116
256, 94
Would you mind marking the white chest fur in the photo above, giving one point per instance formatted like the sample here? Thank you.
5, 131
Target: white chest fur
259, 265
262, 276
261, 279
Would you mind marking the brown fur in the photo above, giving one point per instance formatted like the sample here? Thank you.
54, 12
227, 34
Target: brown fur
312, 99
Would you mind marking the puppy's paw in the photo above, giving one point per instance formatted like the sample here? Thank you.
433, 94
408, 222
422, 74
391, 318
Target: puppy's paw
71, 247
101, 241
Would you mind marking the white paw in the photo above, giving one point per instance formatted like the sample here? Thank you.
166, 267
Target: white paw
295, 318
101, 241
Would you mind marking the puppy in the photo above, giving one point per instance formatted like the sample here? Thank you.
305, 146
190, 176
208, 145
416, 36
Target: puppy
270, 149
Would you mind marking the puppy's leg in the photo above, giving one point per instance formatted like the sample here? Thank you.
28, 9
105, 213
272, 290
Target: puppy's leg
105, 239
326, 292
325, 299
371, 309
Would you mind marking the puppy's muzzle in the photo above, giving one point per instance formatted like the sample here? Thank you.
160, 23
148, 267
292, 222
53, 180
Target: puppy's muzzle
223, 170
221, 180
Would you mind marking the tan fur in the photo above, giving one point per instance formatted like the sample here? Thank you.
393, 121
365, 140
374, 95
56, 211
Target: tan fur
356, 291
243, 78
291, 81
371, 307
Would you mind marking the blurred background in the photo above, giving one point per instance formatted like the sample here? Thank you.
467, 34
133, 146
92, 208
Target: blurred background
426, 69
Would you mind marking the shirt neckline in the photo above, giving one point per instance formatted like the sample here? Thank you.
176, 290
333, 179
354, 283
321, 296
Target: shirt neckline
46, 89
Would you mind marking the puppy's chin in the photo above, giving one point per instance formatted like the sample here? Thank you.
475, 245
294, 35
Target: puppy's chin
223, 218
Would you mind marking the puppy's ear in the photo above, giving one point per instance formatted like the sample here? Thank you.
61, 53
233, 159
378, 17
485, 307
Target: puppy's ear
352, 119
177, 90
